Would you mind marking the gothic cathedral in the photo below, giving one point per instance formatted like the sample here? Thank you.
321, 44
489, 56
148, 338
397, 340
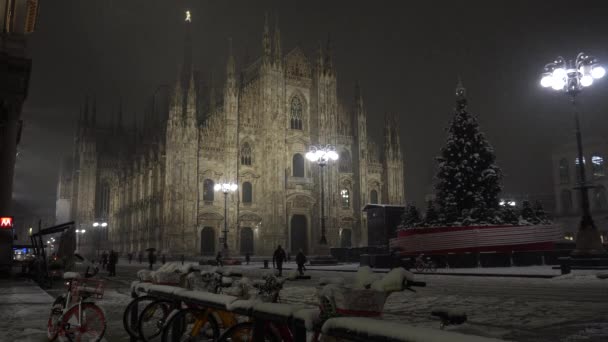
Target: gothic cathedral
154, 184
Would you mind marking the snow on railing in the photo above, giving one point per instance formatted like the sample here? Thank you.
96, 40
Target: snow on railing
306, 319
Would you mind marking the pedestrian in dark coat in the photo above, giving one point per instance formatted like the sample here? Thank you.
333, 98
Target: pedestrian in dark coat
104, 260
301, 260
247, 258
112, 260
183, 259
141, 257
163, 259
151, 259
277, 259
130, 256
218, 259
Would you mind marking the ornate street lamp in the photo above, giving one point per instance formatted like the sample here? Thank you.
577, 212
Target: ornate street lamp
571, 77
98, 233
322, 155
226, 188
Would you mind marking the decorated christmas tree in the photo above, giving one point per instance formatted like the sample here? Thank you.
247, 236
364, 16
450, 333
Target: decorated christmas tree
527, 213
468, 179
411, 217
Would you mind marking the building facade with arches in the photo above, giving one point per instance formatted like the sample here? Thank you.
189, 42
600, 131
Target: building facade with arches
254, 133
566, 180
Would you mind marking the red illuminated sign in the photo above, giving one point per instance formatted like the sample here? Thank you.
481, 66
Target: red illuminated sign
6, 222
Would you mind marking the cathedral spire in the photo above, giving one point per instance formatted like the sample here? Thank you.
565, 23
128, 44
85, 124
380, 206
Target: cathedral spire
320, 57
191, 103
94, 112
328, 56
230, 68
212, 96
266, 39
119, 123
277, 42
187, 62
358, 96
85, 116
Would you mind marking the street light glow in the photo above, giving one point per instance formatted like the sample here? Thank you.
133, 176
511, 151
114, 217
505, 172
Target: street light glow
95, 224
104, 224
586, 80
322, 154
546, 81
225, 187
598, 72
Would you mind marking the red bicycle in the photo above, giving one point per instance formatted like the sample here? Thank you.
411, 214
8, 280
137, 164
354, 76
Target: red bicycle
73, 317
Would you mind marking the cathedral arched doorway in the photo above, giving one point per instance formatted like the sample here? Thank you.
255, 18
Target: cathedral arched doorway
346, 238
246, 240
208, 241
299, 234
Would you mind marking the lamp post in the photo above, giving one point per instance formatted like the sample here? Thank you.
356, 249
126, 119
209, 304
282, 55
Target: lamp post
321, 155
78, 232
571, 77
98, 225
226, 188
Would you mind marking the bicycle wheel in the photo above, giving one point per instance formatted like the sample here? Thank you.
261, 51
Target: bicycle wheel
130, 317
53, 324
90, 328
432, 266
239, 332
244, 332
419, 267
191, 325
152, 319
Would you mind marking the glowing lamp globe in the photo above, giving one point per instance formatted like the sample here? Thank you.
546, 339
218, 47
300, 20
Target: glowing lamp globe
217, 187
559, 73
233, 187
598, 72
546, 81
558, 83
586, 81
333, 155
311, 156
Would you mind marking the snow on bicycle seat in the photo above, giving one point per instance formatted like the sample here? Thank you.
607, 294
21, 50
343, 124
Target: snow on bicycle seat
71, 275
90, 290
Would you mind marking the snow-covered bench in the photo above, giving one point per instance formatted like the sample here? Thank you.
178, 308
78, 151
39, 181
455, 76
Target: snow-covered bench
369, 329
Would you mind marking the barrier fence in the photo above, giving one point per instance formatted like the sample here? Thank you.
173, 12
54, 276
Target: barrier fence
301, 320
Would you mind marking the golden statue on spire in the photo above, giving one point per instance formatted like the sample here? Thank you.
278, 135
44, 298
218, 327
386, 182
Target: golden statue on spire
188, 18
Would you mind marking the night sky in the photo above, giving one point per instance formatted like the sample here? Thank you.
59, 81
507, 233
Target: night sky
407, 57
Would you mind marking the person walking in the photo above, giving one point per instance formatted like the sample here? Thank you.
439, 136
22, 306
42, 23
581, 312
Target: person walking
183, 259
130, 256
141, 257
163, 259
151, 259
277, 259
218, 259
301, 260
112, 260
247, 258
104, 260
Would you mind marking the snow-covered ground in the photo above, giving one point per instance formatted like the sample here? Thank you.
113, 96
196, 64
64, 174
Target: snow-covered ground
565, 308
24, 309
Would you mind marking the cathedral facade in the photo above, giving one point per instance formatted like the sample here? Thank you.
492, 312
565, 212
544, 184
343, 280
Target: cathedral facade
154, 185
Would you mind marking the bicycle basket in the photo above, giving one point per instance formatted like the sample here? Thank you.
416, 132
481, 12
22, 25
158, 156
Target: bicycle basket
87, 287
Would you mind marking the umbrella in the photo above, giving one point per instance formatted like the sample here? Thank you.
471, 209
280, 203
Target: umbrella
151, 249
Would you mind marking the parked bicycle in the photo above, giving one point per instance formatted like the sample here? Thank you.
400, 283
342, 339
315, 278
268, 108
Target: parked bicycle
273, 331
199, 323
74, 316
423, 265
